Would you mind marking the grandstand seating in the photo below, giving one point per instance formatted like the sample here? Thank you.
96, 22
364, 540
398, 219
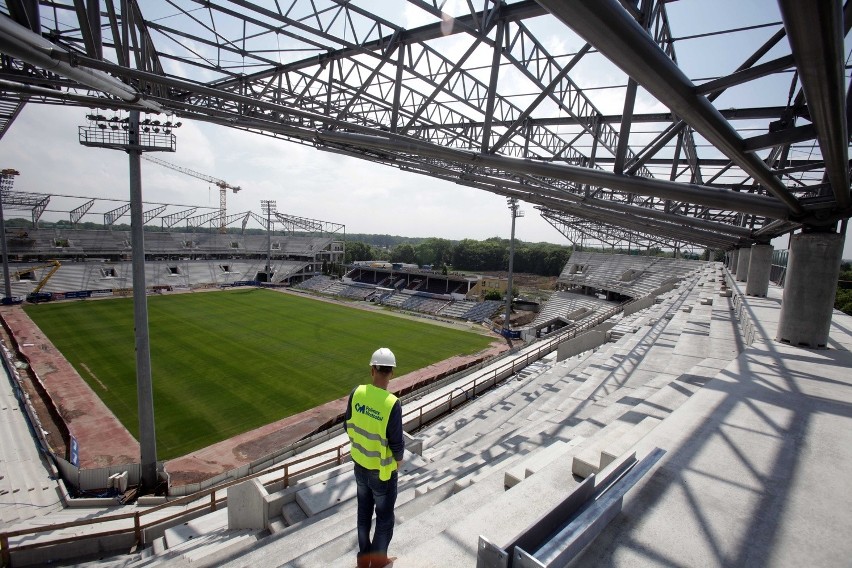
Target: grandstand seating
457, 309
633, 276
483, 311
74, 276
44, 243
561, 304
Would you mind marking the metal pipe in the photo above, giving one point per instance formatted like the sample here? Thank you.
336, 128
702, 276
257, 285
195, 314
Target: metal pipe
608, 27
28, 46
815, 31
7, 283
693, 193
144, 384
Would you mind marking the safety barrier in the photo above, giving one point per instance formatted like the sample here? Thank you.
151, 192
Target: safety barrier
140, 526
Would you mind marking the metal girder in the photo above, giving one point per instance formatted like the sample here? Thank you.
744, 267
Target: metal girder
153, 213
779, 137
175, 218
260, 219
815, 30
293, 222
78, 212
205, 218
609, 28
110, 217
664, 189
363, 79
9, 111
572, 226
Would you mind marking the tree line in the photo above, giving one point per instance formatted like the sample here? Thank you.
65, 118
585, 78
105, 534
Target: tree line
843, 299
489, 255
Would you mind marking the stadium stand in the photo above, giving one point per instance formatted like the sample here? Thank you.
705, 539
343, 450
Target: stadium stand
632, 276
319, 283
457, 309
40, 244
483, 311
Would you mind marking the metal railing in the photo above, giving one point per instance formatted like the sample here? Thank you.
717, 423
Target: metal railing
139, 525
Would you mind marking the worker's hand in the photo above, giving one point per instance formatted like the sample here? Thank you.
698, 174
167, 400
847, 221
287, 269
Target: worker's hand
399, 464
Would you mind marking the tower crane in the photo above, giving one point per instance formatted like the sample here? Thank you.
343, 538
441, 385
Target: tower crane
221, 184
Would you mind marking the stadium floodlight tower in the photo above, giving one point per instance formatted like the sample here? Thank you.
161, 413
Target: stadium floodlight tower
516, 212
269, 207
134, 137
7, 179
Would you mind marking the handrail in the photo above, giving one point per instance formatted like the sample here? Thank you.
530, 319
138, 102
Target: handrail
139, 527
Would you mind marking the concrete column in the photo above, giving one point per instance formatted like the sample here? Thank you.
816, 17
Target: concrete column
732, 261
759, 267
743, 259
812, 271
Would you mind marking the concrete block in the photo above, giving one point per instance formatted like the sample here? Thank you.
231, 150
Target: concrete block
532, 463
330, 493
622, 445
159, 545
246, 508
412, 444
686, 309
120, 482
292, 513
588, 460
706, 301
725, 293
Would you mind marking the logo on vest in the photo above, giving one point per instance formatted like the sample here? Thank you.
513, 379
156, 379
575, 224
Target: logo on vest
368, 411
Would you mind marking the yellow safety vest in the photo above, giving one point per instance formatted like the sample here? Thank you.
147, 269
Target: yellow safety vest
367, 429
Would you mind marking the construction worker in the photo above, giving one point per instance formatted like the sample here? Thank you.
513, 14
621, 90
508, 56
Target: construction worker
374, 425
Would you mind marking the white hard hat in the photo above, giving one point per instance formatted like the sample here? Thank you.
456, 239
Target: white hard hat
383, 357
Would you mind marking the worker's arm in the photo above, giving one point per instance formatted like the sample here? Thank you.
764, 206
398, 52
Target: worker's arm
395, 440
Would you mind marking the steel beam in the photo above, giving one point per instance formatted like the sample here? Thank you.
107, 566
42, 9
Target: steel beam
622, 40
815, 30
713, 197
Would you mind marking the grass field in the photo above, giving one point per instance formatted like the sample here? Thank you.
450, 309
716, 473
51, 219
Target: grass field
227, 362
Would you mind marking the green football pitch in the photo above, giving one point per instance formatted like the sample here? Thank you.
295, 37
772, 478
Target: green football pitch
227, 362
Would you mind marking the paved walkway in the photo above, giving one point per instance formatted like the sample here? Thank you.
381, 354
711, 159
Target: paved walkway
757, 465
27, 489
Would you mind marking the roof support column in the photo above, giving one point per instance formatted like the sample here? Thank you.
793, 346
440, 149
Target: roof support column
809, 289
759, 267
743, 260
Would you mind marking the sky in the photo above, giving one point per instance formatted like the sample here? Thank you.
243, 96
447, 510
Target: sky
42, 144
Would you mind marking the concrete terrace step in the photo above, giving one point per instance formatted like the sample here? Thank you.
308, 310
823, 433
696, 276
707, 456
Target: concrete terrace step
538, 460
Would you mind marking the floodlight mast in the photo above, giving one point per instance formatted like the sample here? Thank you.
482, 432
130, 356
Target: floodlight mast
516, 212
269, 207
135, 143
7, 178
221, 184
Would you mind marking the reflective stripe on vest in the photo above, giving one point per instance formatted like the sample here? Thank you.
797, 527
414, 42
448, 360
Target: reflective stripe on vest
367, 429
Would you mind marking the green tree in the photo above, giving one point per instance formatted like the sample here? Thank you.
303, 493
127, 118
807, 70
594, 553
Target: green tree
356, 250
493, 295
404, 253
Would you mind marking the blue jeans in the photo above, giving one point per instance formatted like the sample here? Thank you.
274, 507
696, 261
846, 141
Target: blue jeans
381, 495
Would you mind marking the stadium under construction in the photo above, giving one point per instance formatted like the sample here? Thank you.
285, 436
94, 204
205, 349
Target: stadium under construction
652, 412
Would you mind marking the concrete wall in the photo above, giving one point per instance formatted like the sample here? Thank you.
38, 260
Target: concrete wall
638, 305
579, 344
